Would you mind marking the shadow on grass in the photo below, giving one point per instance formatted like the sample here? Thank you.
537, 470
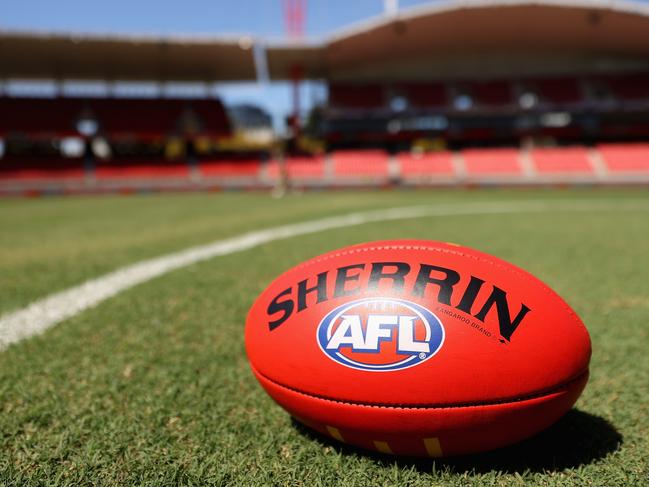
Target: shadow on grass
578, 438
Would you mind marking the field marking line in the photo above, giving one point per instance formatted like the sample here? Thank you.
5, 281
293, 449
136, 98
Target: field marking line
46, 312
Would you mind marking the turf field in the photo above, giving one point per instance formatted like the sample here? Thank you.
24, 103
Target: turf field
152, 386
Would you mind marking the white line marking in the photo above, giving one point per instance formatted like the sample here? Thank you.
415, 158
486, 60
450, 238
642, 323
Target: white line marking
50, 310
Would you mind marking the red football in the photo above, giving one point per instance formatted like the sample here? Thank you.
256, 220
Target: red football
417, 348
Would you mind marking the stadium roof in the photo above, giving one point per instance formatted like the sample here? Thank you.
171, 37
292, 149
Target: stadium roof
489, 37
119, 57
442, 39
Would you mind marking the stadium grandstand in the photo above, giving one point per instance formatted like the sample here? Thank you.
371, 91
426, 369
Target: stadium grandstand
449, 93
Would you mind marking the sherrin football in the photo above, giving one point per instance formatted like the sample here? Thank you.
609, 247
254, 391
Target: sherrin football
417, 348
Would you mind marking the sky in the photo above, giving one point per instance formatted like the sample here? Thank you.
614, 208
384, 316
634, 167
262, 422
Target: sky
263, 18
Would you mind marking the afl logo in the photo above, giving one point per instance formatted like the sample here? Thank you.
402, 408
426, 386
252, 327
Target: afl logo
380, 334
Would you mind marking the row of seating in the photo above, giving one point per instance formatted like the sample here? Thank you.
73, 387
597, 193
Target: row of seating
113, 116
556, 91
615, 159
132, 168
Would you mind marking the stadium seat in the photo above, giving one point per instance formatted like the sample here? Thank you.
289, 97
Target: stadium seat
230, 168
559, 90
41, 169
39, 116
212, 117
475, 134
571, 133
360, 163
492, 93
299, 168
424, 95
141, 118
625, 158
356, 96
631, 87
140, 169
561, 160
146, 118
483, 162
426, 164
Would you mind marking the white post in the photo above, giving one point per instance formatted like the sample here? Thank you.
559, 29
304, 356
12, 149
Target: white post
391, 7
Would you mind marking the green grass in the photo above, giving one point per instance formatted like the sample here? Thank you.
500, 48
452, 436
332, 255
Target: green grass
152, 387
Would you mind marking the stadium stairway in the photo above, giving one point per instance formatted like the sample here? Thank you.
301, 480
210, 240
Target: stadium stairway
299, 169
426, 167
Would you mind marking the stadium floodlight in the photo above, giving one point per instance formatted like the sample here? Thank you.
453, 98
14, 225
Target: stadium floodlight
245, 43
463, 102
72, 147
528, 100
100, 148
399, 103
87, 126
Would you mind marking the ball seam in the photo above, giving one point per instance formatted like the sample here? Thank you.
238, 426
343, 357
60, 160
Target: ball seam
496, 402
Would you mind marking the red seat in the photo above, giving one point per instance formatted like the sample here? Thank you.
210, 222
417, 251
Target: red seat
631, 87
230, 168
424, 95
127, 117
143, 118
159, 117
356, 96
41, 168
492, 161
212, 117
559, 90
626, 157
476, 133
39, 116
426, 164
360, 163
562, 160
492, 93
299, 168
140, 169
